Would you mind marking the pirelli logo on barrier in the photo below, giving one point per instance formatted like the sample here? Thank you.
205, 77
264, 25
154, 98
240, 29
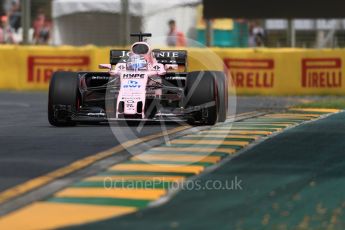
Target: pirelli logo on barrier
40, 68
251, 73
321, 73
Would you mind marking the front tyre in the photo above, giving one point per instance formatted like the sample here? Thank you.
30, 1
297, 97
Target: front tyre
201, 90
63, 99
222, 87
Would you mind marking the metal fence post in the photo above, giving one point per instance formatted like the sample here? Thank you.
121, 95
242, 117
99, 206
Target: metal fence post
126, 22
26, 20
209, 33
291, 33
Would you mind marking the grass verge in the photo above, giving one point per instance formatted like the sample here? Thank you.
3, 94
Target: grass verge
329, 103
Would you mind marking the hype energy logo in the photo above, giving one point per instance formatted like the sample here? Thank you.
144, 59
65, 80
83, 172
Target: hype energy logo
41, 68
321, 73
251, 73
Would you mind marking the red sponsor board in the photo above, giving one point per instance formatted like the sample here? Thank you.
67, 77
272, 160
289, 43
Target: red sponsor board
321, 73
251, 73
40, 68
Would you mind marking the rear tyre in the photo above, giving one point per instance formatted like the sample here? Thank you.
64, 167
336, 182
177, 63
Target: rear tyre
222, 87
201, 90
63, 91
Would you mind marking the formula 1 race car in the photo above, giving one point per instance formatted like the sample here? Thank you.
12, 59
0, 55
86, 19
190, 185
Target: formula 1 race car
140, 84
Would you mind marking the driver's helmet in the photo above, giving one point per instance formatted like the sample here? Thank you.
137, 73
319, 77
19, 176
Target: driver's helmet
136, 62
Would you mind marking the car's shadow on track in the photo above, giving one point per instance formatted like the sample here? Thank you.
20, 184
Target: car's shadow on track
125, 124
146, 123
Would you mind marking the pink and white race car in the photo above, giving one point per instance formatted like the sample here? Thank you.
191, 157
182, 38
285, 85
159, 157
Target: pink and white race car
140, 84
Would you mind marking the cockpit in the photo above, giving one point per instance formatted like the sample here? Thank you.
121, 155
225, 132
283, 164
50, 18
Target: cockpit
136, 62
138, 56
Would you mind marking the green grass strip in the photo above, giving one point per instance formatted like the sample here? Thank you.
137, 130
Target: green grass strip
221, 154
325, 103
209, 137
278, 120
142, 173
200, 146
229, 133
132, 184
245, 129
260, 126
205, 164
101, 201
307, 112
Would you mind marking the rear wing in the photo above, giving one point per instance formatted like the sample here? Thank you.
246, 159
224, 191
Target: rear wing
178, 57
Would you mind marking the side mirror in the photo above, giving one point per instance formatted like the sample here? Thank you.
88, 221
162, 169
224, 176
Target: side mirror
104, 66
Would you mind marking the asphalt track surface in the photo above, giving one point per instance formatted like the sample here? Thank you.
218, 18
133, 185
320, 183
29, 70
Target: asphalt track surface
30, 147
292, 181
